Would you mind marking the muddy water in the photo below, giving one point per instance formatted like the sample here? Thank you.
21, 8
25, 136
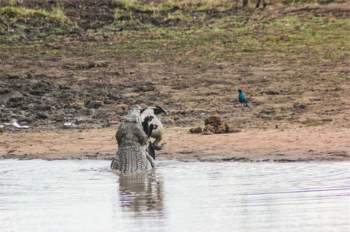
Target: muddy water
86, 196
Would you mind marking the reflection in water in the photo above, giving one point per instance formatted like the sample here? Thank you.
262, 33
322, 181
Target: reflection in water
70, 196
141, 193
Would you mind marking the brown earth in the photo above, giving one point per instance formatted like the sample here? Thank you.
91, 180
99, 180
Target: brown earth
297, 80
46, 92
295, 144
91, 80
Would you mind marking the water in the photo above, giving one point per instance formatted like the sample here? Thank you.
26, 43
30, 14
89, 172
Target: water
86, 196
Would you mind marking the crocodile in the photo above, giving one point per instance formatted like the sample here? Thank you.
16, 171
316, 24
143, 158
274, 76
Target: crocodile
133, 141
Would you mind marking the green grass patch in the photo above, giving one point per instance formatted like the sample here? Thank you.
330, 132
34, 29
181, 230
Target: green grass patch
311, 1
169, 30
56, 14
20, 23
135, 15
171, 5
231, 38
318, 34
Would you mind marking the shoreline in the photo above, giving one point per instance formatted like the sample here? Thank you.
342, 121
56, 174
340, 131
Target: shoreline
251, 145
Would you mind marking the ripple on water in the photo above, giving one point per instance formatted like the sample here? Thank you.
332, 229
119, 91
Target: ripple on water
65, 195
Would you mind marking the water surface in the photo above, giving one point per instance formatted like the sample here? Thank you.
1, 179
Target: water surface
86, 196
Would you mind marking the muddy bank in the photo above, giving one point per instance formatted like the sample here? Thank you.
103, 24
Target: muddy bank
294, 70
294, 73
295, 144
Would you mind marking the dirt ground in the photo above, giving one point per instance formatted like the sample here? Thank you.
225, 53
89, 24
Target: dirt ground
293, 63
295, 144
294, 68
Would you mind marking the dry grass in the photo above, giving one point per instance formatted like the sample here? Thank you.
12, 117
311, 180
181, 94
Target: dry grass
56, 14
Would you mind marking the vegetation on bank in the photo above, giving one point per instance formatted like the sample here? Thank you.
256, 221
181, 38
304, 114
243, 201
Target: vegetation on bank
56, 14
210, 29
37, 19
25, 24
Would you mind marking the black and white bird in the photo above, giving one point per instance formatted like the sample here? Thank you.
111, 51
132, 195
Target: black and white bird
148, 129
158, 129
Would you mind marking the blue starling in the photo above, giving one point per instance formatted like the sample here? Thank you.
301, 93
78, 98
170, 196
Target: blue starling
243, 99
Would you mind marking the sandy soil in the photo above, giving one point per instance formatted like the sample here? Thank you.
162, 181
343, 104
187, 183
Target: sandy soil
294, 144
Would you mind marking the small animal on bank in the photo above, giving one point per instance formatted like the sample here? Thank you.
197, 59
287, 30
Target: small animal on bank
242, 98
157, 132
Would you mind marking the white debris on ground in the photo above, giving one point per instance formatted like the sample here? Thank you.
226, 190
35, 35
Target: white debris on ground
15, 124
69, 125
